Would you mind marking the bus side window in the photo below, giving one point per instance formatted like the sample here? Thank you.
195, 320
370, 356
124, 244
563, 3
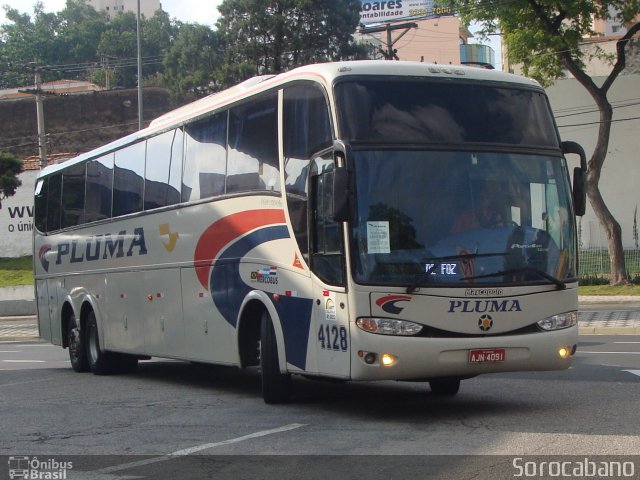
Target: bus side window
40, 215
252, 162
97, 205
54, 202
73, 190
128, 179
205, 161
163, 170
327, 250
306, 129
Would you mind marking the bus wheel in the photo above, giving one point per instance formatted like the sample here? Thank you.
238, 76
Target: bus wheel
100, 363
445, 386
77, 350
276, 386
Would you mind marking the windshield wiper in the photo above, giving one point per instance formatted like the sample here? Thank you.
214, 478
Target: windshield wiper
440, 260
560, 285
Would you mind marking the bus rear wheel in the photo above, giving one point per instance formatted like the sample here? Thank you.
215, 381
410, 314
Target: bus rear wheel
76, 345
445, 387
100, 363
276, 386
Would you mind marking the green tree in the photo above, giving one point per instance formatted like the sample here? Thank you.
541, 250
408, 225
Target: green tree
81, 27
27, 40
545, 37
192, 61
276, 35
10, 167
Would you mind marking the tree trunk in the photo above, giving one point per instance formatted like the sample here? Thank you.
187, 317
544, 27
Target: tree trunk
599, 95
612, 230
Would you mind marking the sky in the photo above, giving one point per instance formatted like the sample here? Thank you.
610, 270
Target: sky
184, 10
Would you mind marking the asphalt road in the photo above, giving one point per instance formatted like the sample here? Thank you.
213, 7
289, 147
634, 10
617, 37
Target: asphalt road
184, 410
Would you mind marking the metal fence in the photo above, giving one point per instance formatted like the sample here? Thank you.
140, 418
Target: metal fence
596, 262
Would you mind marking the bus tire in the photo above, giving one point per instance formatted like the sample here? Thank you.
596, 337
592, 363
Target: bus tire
276, 386
445, 387
76, 344
100, 363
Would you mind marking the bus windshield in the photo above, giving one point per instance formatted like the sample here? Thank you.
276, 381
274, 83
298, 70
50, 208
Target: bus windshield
461, 218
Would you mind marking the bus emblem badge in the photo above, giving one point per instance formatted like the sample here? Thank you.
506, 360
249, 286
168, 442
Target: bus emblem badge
485, 322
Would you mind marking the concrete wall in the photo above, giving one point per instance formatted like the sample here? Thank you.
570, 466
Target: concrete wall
16, 219
79, 122
577, 119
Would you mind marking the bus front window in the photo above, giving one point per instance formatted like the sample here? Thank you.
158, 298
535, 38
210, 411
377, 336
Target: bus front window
461, 218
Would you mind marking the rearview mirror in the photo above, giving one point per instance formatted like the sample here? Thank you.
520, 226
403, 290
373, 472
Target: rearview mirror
343, 191
579, 177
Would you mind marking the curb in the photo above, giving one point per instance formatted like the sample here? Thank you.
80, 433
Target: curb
609, 330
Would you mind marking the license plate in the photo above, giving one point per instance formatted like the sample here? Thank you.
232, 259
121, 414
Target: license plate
487, 355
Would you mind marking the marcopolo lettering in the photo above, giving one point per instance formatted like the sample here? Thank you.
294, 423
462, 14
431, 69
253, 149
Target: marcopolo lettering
103, 247
484, 306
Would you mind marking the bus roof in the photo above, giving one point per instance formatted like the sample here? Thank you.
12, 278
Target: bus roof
324, 72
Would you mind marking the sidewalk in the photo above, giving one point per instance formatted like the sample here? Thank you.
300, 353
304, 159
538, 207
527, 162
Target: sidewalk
610, 322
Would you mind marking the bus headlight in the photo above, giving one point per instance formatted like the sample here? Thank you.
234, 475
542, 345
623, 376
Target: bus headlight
388, 326
558, 322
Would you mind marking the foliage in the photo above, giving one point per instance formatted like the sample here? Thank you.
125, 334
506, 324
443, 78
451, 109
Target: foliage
16, 271
77, 41
253, 37
609, 290
276, 35
191, 62
545, 37
10, 167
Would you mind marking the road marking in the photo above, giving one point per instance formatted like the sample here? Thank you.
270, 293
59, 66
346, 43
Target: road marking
206, 446
198, 448
634, 343
635, 372
24, 361
30, 381
10, 351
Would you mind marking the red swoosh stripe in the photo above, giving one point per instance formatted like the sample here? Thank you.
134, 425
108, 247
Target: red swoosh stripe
381, 301
225, 230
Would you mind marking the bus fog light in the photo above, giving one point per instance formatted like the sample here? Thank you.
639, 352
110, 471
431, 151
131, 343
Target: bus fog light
388, 326
558, 322
388, 359
369, 358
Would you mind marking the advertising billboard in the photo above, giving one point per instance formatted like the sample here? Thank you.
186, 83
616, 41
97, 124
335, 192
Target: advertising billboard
395, 10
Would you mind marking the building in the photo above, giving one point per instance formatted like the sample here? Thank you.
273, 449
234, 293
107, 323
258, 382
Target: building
56, 87
442, 40
147, 7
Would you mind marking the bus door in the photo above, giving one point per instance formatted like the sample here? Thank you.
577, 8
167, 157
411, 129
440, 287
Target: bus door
44, 312
330, 326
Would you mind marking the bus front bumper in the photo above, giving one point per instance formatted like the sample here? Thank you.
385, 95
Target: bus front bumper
383, 357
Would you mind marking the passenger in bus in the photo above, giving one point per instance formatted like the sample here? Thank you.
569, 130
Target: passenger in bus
486, 214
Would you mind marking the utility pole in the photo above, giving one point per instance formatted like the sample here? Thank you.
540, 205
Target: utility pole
389, 53
140, 111
42, 145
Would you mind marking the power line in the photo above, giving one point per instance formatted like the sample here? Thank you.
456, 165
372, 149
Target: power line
598, 123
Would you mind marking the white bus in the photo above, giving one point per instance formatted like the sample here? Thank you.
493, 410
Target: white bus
352, 221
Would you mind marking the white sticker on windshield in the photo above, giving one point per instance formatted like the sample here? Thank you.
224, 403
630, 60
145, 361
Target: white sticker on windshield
378, 237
